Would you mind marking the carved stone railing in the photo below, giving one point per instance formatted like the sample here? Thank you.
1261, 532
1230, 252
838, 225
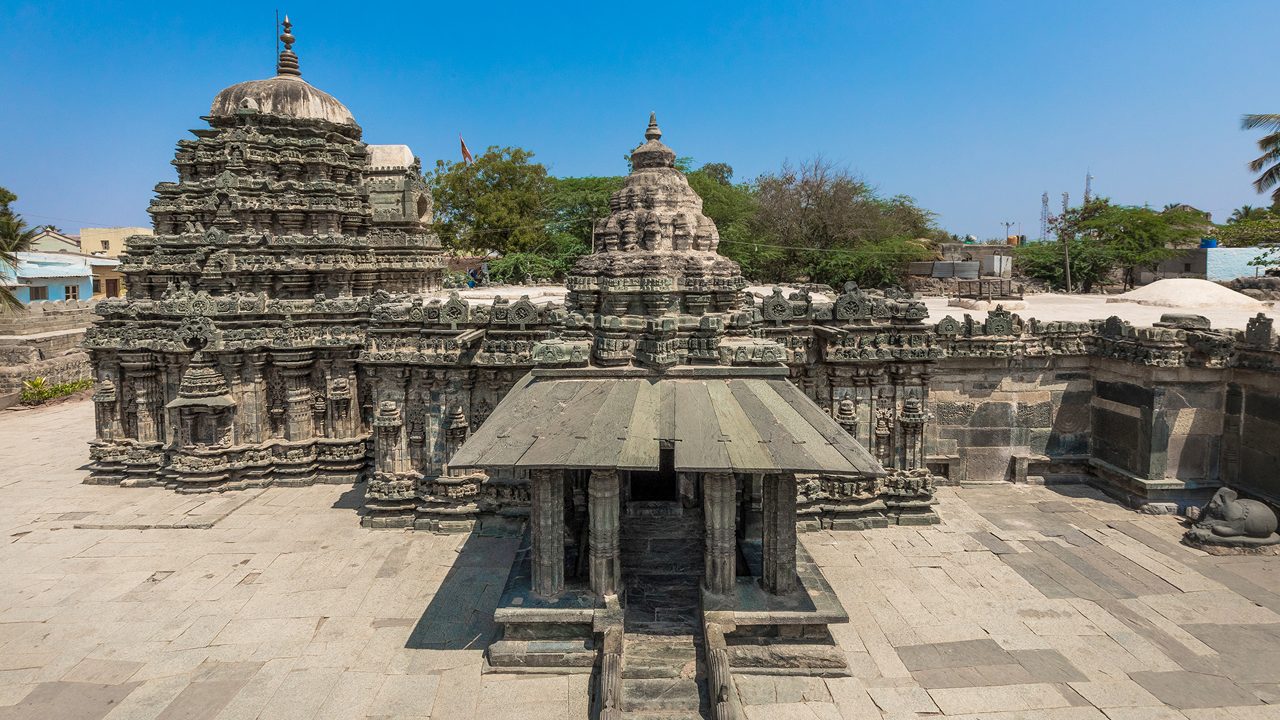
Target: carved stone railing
725, 704
609, 697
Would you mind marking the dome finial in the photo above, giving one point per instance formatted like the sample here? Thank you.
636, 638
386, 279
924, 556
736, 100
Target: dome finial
288, 62
653, 132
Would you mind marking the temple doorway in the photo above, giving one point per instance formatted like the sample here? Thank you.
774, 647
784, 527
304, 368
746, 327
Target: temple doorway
661, 485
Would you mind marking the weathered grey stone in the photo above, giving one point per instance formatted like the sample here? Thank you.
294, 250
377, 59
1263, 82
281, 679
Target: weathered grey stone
1184, 690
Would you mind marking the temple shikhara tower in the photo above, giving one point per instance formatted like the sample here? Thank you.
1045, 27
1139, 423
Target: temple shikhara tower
232, 362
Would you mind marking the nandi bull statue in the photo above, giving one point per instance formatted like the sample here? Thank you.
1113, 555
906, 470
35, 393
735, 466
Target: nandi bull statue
1229, 522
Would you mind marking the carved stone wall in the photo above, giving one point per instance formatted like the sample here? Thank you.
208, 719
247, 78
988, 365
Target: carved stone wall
992, 416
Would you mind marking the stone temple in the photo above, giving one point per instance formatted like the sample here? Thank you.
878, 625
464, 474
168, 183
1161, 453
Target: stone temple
658, 432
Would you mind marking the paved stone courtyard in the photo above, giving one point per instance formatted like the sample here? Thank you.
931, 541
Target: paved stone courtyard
1027, 602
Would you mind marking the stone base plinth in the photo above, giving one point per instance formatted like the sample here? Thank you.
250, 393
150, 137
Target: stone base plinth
780, 634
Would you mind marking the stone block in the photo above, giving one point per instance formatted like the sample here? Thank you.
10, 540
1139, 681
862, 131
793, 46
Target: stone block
1187, 690
983, 464
1037, 415
994, 415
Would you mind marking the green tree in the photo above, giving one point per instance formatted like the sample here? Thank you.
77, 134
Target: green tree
1090, 262
15, 237
573, 207
575, 204
1101, 237
496, 202
1268, 163
6, 199
1247, 213
825, 225
1259, 229
1136, 237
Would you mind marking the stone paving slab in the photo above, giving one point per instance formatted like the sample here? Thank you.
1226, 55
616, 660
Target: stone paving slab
1028, 602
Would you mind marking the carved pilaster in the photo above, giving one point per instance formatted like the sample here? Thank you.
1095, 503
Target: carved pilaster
546, 515
140, 407
295, 369
606, 565
720, 511
779, 520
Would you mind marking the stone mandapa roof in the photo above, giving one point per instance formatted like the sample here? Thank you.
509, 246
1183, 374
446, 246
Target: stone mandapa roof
286, 94
714, 421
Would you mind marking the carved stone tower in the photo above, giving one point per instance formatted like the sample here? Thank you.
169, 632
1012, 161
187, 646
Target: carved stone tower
257, 284
655, 292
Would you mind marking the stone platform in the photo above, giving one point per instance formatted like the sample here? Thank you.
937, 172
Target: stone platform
1025, 602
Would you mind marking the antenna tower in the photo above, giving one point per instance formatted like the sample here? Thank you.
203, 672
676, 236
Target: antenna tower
1088, 187
1044, 216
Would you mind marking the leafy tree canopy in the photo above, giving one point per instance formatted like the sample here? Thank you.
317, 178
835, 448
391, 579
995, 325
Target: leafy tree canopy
6, 199
575, 204
15, 237
814, 222
818, 222
497, 202
1101, 236
1247, 213
1267, 165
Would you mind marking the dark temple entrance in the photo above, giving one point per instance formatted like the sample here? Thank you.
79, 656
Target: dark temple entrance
662, 485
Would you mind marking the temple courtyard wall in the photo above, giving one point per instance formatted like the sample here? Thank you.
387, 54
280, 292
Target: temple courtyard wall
43, 340
1026, 601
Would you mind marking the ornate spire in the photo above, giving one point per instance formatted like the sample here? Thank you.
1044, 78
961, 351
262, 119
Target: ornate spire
288, 62
653, 132
653, 154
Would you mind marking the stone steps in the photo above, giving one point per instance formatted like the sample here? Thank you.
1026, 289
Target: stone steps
672, 697
659, 656
662, 569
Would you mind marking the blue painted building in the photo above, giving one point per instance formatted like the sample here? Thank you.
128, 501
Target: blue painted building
49, 276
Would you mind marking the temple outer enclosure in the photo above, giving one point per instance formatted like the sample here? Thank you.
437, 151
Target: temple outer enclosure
658, 433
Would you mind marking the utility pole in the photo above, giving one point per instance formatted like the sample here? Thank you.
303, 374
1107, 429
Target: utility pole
1007, 224
1066, 246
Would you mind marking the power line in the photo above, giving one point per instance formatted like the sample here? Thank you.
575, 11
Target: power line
810, 249
71, 220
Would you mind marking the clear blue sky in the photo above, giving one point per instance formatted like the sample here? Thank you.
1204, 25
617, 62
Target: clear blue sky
973, 108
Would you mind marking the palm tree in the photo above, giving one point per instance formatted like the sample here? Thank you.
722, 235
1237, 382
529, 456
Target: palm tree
1245, 213
15, 237
1269, 162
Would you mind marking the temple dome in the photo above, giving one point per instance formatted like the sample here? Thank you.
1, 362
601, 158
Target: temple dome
286, 94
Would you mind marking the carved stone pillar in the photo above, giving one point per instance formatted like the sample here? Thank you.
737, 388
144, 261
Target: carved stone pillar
720, 512
255, 415
603, 507
779, 533
296, 371
389, 450
546, 515
106, 412
141, 382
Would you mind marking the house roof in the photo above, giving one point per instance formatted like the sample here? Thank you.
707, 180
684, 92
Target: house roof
717, 420
52, 265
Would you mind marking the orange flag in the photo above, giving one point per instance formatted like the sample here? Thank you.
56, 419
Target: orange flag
466, 153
